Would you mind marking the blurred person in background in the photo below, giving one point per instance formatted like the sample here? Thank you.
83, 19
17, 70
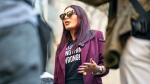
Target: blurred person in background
79, 57
128, 39
20, 46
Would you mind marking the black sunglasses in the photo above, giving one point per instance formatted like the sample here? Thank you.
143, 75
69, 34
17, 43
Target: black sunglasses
69, 14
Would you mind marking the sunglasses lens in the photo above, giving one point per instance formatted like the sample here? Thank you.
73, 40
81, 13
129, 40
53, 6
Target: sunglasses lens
62, 16
70, 13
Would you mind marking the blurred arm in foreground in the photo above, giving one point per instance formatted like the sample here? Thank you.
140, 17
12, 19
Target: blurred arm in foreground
22, 44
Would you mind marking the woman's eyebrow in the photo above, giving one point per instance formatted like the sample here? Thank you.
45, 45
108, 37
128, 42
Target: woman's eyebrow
68, 11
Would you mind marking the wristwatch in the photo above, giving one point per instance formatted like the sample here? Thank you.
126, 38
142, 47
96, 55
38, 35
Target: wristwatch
100, 70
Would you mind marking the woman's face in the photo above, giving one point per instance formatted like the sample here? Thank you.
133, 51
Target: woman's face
70, 21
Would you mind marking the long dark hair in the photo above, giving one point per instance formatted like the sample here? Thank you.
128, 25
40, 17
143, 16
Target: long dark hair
82, 30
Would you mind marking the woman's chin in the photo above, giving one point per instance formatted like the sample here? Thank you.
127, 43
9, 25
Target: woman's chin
69, 28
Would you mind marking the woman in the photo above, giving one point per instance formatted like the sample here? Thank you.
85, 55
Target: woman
79, 57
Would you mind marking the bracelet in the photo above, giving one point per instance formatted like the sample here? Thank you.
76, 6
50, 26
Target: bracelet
99, 72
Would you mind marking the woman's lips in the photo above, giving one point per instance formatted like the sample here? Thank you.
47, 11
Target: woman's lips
67, 22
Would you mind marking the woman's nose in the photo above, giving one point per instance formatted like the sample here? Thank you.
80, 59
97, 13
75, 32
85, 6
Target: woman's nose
66, 17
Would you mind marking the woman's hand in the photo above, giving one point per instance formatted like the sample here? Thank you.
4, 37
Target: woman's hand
88, 67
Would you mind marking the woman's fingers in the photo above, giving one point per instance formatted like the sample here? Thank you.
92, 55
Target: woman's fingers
81, 71
91, 61
87, 67
87, 64
83, 66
